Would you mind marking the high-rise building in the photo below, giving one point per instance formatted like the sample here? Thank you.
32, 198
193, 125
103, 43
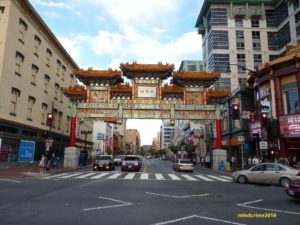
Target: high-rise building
248, 33
133, 141
34, 67
167, 132
191, 65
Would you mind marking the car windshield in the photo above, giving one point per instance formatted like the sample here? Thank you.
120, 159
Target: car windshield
103, 157
119, 157
131, 158
185, 161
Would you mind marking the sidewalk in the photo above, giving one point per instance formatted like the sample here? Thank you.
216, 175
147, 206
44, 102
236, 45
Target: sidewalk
28, 170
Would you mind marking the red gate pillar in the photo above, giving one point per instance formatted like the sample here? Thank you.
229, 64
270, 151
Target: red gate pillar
73, 125
218, 128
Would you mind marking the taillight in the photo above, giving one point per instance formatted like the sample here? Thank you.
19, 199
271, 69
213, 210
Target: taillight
136, 164
123, 164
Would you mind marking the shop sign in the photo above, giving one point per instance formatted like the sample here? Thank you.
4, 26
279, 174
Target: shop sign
273, 144
255, 128
26, 151
263, 145
290, 125
241, 138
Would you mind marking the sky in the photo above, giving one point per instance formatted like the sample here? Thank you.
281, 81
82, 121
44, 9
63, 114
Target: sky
104, 33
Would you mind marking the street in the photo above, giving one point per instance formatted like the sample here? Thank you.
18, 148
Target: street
155, 195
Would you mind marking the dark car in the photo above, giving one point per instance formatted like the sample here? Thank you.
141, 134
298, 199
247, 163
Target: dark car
118, 159
293, 189
103, 162
131, 162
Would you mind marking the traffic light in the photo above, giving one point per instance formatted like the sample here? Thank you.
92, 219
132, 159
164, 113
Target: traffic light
50, 119
264, 119
235, 111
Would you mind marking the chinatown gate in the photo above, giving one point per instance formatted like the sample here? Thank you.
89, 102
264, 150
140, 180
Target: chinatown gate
153, 91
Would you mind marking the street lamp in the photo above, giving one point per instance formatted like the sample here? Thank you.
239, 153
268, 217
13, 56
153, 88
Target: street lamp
85, 133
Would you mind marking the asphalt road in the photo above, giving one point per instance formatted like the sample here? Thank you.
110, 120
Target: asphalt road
162, 197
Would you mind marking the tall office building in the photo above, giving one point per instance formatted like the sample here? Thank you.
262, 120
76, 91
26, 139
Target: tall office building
34, 67
247, 33
167, 132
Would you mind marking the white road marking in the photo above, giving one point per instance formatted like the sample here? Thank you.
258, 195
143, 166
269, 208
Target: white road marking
226, 177
71, 175
55, 176
159, 176
86, 175
218, 178
246, 204
175, 196
188, 177
144, 176
109, 206
99, 175
201, 217
129, 176
10, 180
203, 178
173, 176
114, 176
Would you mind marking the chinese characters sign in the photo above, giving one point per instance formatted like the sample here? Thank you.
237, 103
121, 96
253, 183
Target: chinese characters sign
290, 125
146, 92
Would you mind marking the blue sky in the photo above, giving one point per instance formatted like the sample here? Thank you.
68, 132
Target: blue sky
104, 33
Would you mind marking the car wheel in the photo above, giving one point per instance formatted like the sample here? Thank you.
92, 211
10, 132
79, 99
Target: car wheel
242, 179
284, 181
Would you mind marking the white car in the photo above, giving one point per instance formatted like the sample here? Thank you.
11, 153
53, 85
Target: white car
273, 173
183, 165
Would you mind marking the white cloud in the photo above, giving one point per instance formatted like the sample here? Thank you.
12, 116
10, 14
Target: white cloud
52, 4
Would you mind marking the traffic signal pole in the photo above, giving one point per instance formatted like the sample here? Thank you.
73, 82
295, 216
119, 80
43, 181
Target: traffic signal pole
219, 128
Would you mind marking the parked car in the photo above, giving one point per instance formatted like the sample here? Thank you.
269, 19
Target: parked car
148, 156
273, 173
183, 165
118, 159
293, 189
103, 162
131, 162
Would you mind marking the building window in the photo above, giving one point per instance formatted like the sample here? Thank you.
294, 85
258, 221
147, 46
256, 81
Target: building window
254, 23
273, 41
223, 83
191, 67
242, 80
61, 94
44, 113
218, 62
46, 83
48, 57
60, 114
273, 57
68, 123
239, 23
15, 94
218, 40
257, 60
256, 40
22, 29
56, 89
296, 4
58, 65
240, 40
63, 72
37, 44
19, 61
241, 60
34, 74
54, 112
297, 23
31, 102
217, 17
72, 80
2, 9
290, 101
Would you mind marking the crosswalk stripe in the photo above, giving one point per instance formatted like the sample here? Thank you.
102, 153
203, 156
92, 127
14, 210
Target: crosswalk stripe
218, 178
144, 176
129, 176
99, 176
188, 177
116, 175
173, 176
226, 177
203, 178
55, 176
86, 175
71, 175
159, 176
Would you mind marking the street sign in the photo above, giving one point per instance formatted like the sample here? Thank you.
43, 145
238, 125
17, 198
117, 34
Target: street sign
263, 145
246, 114
241, 138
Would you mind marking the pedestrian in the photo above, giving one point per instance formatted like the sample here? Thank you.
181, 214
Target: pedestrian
42, 164
255, 160
249, 162
232, 161
293, 162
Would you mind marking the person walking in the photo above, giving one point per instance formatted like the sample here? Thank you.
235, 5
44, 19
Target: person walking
42, 164
255, 160
232, 161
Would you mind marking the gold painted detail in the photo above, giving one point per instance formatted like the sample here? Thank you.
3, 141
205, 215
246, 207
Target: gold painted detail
159, 67
90, 73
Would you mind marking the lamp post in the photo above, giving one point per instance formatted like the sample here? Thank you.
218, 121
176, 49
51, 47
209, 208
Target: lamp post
256, 74
85, 133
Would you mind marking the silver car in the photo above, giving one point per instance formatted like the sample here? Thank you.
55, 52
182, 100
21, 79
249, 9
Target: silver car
273, 173
183, 165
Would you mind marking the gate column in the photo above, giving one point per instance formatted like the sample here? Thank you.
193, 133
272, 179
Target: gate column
218, 127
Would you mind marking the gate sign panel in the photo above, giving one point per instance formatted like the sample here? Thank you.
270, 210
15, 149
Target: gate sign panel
26, 151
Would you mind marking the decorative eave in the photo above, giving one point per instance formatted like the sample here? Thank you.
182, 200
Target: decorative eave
158, 70
203, 78
75, 92
121, 88
91, 76
217, 94
174, 89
